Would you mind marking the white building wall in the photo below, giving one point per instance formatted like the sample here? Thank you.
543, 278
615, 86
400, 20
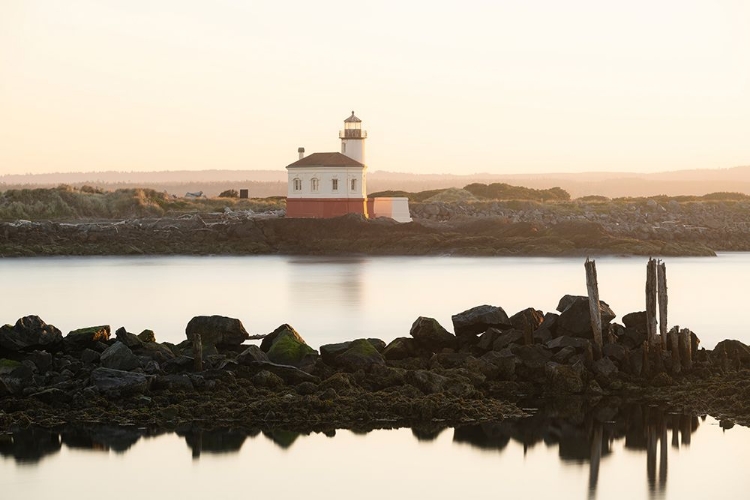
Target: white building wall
354, 149
325, 176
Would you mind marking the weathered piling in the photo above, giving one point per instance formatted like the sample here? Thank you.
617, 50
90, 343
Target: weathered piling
651, 295
685, 346
674, 344
596, 317
662, 293
646, 368
197, 352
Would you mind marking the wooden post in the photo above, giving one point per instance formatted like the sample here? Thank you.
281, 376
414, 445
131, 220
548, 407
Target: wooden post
686, 355
646, 369
596, 316
651, 303
674, 346
197, 352
662, 292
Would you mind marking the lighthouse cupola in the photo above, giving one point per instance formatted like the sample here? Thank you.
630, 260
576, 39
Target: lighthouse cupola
353, 139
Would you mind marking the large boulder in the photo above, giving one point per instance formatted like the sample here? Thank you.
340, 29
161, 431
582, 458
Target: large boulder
400, 348
329, 352
121, 382
360, 355
733, 349
286, 347
565, 378
430, 335
478, 319
29, 333
637, 320
575, 318
87, 337
251, 355
218, 331
527, 320
118, 356
129, 339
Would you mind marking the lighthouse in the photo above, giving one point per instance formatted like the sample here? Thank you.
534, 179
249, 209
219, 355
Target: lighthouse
325, 185
353, 139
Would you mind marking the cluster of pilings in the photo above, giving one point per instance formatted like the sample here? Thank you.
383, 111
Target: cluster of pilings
678, 342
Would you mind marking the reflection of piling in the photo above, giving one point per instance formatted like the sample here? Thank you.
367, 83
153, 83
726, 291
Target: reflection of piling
197, 352
686, 428
651, 455
596, 316
662, 292
198, 445
596, 457
663, 453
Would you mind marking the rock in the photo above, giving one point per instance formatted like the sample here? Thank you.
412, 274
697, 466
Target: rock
533, 357
487, 339
733, 349
285, 346
8, 365
506, 365
478, 319
264, 378
426, 381
157, 352
527, 320
400, 348
29, 332
147, 336
42, 360
430, 335
120, 382
174, 382
178, 364
219, 331
506, 339
575, 319
632, 337
87, 337
252, 354
330, 351
288, 374
576, 343
360, 355
564, 378
563, 355
618, 352
119, 357
129, 339
604, 367
636, 320
52, 396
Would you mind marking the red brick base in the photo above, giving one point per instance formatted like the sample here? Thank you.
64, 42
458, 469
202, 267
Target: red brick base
325, 208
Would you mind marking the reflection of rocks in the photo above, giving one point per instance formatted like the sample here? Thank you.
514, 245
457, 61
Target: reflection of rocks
214, 441
30, 445
283, 438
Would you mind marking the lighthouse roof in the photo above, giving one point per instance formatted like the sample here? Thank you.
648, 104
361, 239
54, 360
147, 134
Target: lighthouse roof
325, 160
352, 119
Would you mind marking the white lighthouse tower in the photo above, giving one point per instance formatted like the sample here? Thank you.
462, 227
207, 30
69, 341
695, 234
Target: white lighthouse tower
353, 139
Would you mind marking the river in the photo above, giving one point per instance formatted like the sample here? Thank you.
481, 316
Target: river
333, 299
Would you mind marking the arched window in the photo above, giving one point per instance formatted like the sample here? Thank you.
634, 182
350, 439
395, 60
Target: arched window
314, 184
297, 184
334, 184
354, 184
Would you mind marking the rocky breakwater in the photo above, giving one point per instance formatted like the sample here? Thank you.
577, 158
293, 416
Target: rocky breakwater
665, 225
477, 373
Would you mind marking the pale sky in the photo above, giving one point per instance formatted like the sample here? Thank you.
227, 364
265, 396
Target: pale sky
503, 87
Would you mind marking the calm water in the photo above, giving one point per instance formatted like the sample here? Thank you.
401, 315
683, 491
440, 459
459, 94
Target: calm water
631, 454
334, 299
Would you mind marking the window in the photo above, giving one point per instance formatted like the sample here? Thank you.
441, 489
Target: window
297, 184
354, 184
335, 184
314, 183
343, 147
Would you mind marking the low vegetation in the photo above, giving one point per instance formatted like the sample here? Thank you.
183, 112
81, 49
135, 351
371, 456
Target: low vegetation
68, 203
